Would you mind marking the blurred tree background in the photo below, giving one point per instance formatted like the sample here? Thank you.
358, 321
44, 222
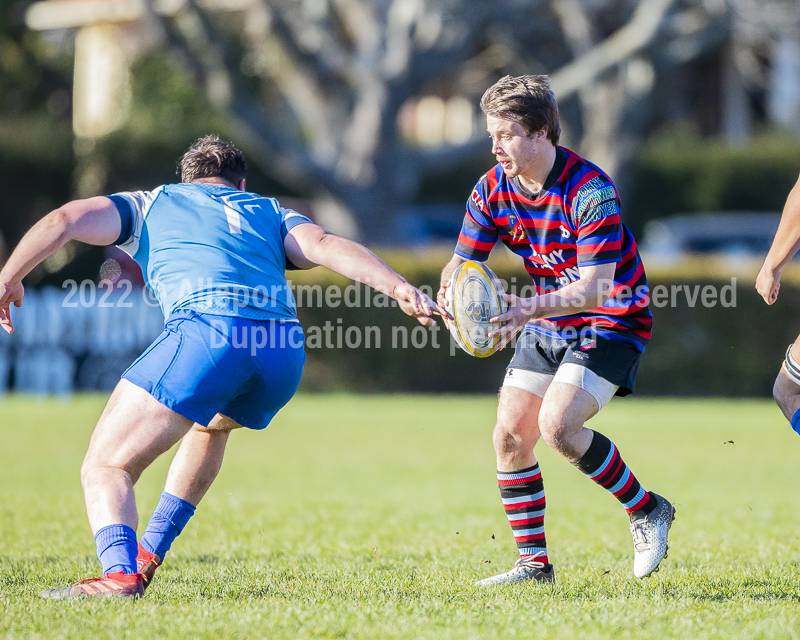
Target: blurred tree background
364, 113
368, 110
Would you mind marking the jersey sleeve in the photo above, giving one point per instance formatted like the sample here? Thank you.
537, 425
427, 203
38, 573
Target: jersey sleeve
478, 231
133, 207
599, 227
290, 219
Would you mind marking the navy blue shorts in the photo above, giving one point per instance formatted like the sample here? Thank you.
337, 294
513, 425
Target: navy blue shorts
204, 364
614, 360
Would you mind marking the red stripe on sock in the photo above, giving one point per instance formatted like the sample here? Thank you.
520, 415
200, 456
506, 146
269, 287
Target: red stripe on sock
631, 480
641, 503
539, 558
526, 521
608, 475
536, 536
524, 505
515, 481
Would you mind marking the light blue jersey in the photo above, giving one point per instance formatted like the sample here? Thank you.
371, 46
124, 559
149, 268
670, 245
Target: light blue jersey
210, 249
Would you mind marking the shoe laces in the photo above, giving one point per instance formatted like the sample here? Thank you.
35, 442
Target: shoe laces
530, 561
639, 532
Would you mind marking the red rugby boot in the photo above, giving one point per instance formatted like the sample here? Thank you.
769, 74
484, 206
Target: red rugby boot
146, 564
111, 585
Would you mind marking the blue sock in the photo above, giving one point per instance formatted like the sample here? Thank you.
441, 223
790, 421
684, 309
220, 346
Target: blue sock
116, 548
169, 519
796, 421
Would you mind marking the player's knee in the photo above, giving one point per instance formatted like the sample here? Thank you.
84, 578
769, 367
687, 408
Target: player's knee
98, 469
508, 438
555, 429
89, 472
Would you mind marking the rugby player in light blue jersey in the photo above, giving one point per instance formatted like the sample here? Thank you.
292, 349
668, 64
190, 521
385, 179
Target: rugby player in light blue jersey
231, 354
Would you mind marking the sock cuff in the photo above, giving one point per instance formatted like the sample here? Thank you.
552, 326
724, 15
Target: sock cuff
796, 421
116, 548
113, 534
177, 511
596, 455
519, 477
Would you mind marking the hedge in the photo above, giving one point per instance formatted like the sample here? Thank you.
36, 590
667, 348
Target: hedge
731, 348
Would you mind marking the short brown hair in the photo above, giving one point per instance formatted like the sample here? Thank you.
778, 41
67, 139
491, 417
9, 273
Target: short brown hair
526, 100
210, 157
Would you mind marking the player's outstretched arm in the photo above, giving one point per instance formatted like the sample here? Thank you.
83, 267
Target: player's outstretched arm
784, 246
308, 245
94, 221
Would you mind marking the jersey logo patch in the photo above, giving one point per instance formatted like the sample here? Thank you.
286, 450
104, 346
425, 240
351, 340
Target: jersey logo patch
517, 230
592, 200
603, 210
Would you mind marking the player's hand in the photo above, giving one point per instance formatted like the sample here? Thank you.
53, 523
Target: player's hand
768, 283
441, 299
520, 311
9, 293
416, 304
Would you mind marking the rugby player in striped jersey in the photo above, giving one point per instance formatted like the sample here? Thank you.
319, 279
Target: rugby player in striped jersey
785, 244
582, 332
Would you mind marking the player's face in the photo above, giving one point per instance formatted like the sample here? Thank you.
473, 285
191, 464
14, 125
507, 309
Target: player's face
519, 154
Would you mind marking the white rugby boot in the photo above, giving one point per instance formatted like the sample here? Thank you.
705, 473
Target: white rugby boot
526, 568
649, 533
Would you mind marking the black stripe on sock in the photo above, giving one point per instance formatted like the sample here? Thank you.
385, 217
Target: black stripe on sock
595, 455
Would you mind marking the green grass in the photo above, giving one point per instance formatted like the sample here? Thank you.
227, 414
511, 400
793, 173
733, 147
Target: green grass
371, 517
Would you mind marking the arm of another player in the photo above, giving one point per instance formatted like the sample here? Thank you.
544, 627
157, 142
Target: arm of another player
94, 221
784, 246
308, 245
591, 290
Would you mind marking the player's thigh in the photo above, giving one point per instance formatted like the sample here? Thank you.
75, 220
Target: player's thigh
795, 350
133, 430
786, 390
517, 415
219, 423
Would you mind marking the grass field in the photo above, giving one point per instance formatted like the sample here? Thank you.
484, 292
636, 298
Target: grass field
371, 517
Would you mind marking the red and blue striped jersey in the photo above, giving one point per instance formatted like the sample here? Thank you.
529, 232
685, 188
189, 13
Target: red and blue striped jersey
574, 221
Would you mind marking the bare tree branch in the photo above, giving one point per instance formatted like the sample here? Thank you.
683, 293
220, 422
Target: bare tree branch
625, 42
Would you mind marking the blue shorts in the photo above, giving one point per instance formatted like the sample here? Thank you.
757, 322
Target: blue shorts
614, 360
204, 364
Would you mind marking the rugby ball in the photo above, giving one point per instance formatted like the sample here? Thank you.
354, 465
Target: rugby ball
475, 295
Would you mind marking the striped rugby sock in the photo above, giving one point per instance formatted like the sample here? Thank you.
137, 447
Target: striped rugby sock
603, 464
522, 493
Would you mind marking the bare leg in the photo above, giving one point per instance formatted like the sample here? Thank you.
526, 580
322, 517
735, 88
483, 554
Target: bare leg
132, 432
517, 429
565, 409
521, 486
198, 460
